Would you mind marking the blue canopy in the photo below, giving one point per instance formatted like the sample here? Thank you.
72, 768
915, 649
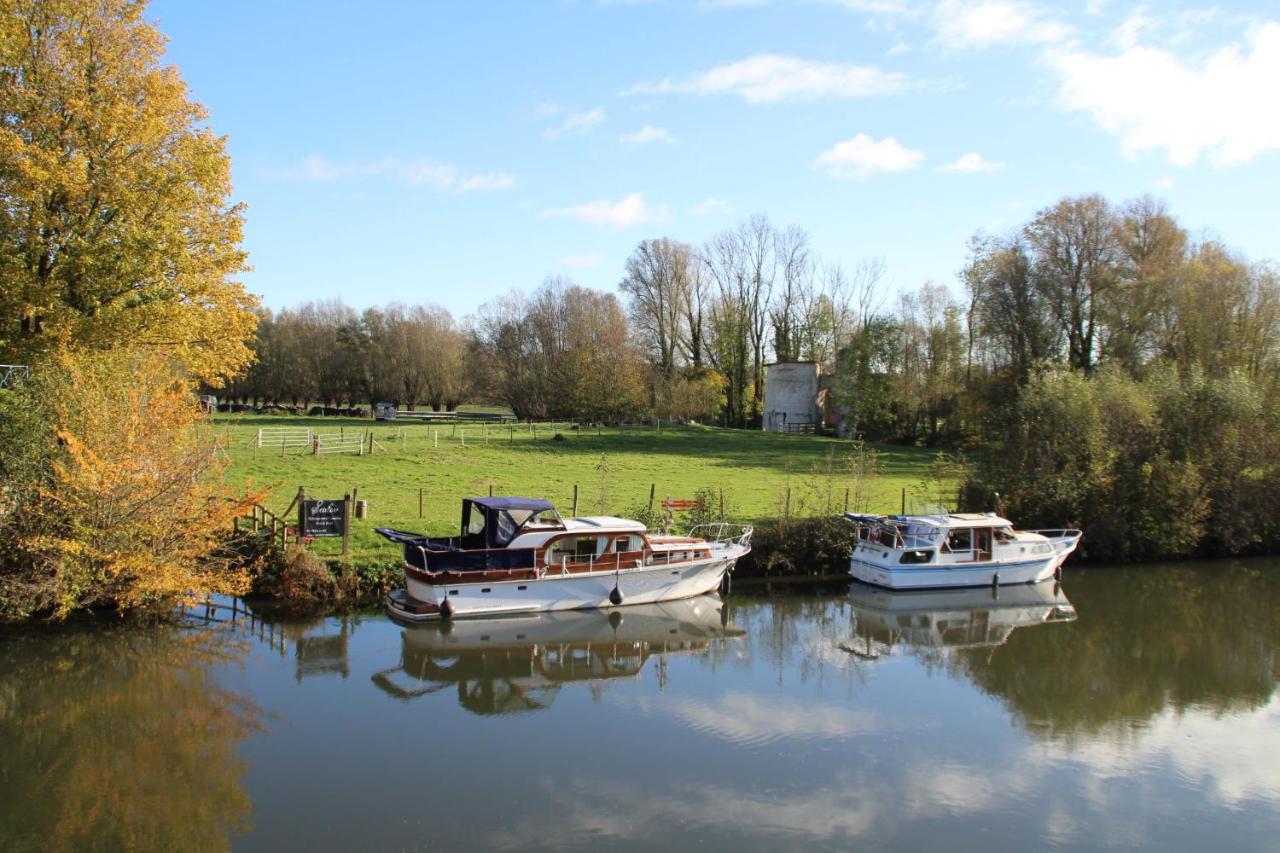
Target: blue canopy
530, 504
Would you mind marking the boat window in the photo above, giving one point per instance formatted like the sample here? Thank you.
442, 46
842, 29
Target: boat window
959, 540
1004, 536
505, 529
577, 547
916, 556
475, 520
627, 543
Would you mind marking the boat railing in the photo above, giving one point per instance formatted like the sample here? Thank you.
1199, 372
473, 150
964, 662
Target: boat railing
1059, 533
723, 533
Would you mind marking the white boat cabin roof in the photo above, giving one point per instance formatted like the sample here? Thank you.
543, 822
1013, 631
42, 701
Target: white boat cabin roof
950, 521
602, 524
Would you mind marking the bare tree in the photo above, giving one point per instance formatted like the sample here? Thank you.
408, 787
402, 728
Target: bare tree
794, 292
658, 280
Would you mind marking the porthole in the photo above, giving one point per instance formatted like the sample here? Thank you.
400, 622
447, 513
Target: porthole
453, 592
486, 589
522, 586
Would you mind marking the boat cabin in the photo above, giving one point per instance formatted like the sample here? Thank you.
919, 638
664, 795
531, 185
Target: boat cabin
951, 538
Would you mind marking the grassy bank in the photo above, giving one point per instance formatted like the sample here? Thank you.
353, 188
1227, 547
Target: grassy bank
613, 469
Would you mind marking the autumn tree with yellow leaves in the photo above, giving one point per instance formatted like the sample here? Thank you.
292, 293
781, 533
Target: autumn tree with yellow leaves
126, 506
115, 223
119, 247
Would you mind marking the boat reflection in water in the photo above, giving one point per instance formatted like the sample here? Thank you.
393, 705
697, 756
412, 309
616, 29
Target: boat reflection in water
950, 618
514, 664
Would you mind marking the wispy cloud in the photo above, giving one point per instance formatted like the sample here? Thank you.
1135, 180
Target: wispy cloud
582, 262
482, 181
646, 135
966, 24
624, 213
862, 156
583, 122
422, 171
970, 164
768, 78
711, 205
1154, 100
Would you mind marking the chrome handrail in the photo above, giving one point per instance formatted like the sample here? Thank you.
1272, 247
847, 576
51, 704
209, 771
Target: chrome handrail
723, 533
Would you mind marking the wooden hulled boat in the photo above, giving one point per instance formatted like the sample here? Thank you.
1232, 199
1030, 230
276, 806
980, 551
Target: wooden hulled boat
517, 555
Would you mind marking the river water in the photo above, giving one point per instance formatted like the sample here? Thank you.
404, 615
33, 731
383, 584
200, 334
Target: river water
1130, 709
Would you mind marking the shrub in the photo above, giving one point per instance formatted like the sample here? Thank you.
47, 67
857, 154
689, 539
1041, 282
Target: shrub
799, 547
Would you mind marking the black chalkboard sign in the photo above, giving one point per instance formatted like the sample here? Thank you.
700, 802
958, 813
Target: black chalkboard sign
324, 518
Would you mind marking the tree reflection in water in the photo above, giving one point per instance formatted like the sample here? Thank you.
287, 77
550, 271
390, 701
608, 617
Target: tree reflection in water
1147, 639
119, 738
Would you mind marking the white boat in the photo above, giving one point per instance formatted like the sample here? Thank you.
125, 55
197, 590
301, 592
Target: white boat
954, 550
517, 555
952, 618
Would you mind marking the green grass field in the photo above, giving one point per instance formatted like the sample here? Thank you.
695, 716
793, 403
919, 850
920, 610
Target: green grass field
613, 470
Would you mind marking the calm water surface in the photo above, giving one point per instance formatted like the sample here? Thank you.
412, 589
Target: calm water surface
1130, 709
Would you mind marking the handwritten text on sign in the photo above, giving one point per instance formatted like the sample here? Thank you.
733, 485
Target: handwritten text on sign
323, 518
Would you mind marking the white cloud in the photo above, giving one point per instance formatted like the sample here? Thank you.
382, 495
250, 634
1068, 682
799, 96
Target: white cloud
966, 24
767, 78
970, 164
745, 718
624, 213
582, 262
419, 172
583, 122
711, 205
647, 134
1164, 183
862, 156
1153, 100
486, 181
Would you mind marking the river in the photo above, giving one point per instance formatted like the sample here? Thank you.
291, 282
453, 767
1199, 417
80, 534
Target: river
1131, 708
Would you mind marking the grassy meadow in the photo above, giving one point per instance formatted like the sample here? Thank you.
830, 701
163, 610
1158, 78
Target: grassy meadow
613, 469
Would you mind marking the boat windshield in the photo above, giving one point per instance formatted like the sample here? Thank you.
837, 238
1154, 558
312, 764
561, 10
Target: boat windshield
512, 522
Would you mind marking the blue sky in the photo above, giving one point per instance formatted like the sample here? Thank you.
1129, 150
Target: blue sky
447, 153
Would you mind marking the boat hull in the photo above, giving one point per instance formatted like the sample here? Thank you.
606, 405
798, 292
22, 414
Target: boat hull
956, 575
573, 591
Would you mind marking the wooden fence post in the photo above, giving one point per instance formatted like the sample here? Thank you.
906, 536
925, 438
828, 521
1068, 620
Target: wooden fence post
786, 513
302, 498
904, 501
346, 525
653, 487
846, 500
575, 499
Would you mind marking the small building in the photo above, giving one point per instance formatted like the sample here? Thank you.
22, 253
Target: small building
791, 397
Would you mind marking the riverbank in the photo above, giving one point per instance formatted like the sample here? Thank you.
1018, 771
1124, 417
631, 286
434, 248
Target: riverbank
418, 473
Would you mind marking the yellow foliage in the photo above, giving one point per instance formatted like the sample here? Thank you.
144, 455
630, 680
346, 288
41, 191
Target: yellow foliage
115, 225
133, 511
